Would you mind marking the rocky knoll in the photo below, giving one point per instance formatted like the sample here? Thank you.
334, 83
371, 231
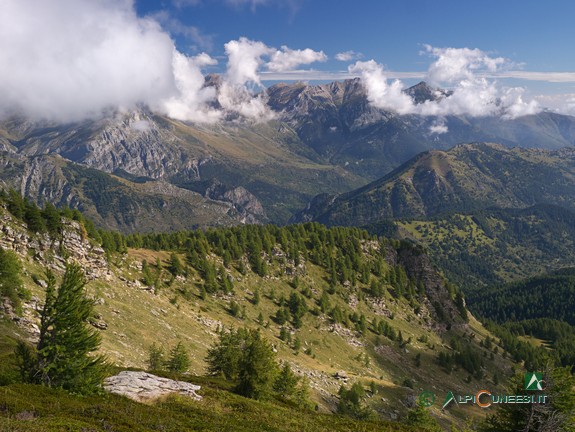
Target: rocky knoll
142, 386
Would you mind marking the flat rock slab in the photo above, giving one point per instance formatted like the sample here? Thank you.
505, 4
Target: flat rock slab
143, 387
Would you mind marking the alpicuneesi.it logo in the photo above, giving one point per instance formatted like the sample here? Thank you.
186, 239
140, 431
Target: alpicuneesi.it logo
534, 381
484, 398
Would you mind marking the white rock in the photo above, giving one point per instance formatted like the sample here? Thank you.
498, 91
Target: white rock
142, 386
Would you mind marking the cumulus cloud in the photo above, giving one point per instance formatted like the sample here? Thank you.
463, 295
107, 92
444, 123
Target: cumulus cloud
380, 93
244, 60
464, 72
67, 60
347, 56
288, 59
242, 80
70, 59
562, 103
458, 64
192, 101
242, 90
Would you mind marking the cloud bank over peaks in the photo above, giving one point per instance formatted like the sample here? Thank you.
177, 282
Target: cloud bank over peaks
69, 60
463, 71
241, 90
379, 93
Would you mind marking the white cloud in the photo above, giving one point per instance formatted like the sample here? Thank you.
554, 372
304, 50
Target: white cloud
242, 79
192, 100
438, 127
244, 60
473, 94
562, 103
241, 89
462, 70
70, 59
458, 64
379, 93
287, 59
552, 77
347, 56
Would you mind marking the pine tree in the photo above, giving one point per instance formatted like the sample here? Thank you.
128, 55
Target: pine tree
33, 217
62, 357
256, 299
224, 357
10, 282
286, 382
155, 358
350, 402
53, 219
16, 204
258, 368
420, 418
175, 266
147, 277
179, 360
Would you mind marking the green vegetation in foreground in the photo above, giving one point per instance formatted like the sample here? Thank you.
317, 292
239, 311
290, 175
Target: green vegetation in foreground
299, 278
27, 408
62, 357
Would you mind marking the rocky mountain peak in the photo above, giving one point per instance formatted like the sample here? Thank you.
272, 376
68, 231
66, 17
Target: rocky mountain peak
423, 92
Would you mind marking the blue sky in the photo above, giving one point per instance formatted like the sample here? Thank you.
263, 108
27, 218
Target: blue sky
535, 35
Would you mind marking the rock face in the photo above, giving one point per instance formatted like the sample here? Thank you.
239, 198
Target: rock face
245, 204
142, 386
41, 247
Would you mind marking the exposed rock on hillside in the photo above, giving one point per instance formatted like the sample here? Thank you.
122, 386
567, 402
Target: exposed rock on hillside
49, 251
143, 387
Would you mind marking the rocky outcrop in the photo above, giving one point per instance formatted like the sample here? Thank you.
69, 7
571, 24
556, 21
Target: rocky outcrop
129, 203
133, 141
248, 208
438, 299
73, 243
144, 387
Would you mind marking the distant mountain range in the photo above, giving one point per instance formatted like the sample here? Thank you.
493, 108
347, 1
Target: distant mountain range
338, 123
465, 178
156, 173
